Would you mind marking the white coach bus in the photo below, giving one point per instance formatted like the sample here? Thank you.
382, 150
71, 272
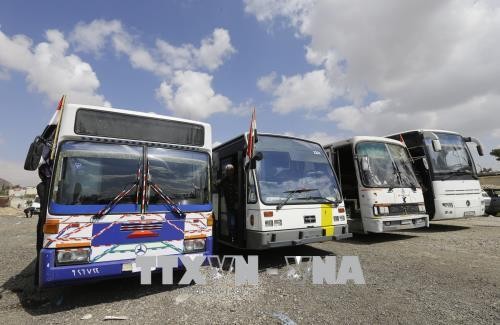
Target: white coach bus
380, 190
445, 169
286, 195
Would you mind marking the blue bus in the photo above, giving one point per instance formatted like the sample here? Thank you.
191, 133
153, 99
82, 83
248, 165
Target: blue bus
117, 184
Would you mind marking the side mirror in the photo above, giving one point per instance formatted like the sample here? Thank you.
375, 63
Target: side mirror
257, 157
426, 163
480, 150
365, 163
34, 154
436, 145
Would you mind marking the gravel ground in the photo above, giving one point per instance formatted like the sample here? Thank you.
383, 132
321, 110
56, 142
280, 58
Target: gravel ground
449, 273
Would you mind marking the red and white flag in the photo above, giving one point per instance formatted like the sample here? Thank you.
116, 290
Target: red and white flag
252, 138
401, 139
57, 120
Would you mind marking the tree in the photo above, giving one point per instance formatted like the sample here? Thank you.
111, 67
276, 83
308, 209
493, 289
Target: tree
496, 153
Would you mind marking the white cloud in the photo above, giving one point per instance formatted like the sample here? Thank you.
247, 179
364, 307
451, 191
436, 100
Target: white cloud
427, 63
49, 69
214, 50
309, 91
13, 172
267, 83
322, 138
163, 58
245, 108
92, 37
190, 95
184, 90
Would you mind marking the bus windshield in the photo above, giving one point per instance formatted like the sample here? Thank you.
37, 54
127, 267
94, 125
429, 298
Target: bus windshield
453, 156
290, 165
388, 165
181, 175
93, 174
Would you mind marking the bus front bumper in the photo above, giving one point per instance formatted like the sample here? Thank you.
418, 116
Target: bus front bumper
388, 224
293, 237
51, 275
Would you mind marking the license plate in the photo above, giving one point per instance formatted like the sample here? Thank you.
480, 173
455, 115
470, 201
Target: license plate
469, 213
405, 222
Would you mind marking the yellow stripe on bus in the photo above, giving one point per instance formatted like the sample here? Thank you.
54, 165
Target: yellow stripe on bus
327, 219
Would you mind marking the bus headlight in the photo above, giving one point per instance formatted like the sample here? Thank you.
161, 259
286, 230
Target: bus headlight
380, 210
194, 245
268, 223
69, 256
421, 208
278, 223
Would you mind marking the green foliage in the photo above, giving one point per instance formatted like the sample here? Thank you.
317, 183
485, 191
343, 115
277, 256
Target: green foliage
496, 153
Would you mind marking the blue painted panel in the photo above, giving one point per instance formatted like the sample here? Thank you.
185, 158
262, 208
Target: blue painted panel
56, 208
114, 235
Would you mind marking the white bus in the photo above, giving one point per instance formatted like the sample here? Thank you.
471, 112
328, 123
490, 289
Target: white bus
446, 171
117, 184
380, 190
287, 195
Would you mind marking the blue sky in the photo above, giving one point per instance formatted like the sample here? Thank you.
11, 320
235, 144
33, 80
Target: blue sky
308, 71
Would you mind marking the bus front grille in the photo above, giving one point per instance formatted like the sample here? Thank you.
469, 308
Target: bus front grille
141, 226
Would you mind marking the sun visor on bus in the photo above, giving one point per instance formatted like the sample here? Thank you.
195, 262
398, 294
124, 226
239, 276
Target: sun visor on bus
123, 126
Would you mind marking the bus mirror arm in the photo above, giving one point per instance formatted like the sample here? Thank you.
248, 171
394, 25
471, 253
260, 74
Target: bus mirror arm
479, 146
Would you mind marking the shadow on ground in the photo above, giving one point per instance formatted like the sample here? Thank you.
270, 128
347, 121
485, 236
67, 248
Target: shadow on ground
376, 238
275, 258
52, 300
440, 227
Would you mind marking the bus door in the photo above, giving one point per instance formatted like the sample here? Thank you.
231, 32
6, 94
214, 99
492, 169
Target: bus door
343, 163
231, 221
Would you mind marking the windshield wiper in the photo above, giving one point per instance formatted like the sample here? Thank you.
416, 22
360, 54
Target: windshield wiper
291, 193
461, 171
167, 199
108, 207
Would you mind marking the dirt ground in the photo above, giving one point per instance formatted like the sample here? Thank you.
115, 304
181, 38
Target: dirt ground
8, 211
448, 273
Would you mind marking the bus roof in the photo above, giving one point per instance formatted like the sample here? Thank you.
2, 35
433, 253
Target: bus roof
423, 130
357, 139
244, 135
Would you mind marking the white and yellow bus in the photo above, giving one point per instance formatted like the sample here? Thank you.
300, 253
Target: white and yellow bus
286, 195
